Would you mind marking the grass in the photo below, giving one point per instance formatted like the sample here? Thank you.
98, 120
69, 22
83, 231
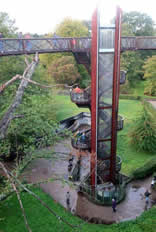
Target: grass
139, 88
65, 108
131, 157
40, 220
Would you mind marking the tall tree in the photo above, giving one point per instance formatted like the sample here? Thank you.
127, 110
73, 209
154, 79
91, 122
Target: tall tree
67, 28
7, 25
140, 24
150, 75
64, 71
136, 24
71, 28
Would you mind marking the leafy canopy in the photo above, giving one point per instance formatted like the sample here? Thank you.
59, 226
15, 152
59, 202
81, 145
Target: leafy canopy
64, 70
150, 74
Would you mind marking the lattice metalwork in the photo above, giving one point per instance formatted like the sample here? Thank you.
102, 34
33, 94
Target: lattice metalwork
43, 45
83, 44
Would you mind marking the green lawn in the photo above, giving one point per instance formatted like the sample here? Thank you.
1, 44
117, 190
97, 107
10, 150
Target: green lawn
40, 220
65, 108
132, 158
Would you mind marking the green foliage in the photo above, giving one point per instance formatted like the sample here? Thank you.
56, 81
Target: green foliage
41, 220
71, 28
36, 128
146, 170
7, 25
132, 63
140, 24
85, 79
130, 97
10, 66
143, 134
64, 70
135, 24
65, 74
150, 75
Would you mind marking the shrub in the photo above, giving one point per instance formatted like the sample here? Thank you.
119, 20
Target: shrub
143, 134
146, 170
35, 129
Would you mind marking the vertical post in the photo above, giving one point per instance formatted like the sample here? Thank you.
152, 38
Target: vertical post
93, 99
116, 82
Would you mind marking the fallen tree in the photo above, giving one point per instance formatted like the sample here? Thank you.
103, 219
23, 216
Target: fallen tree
9, 115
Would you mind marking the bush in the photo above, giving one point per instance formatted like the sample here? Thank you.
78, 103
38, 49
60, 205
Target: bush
146, 170
35, 129
143, 134
130, 97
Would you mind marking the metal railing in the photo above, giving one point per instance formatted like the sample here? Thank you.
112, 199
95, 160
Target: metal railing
9, 46
104, 196
44, 45
77, 143
80, 98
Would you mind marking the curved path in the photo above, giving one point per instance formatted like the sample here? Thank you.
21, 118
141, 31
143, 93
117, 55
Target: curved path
153, 103
41, 169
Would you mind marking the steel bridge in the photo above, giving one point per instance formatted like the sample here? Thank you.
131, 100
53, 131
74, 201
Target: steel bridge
80, 47
75, 45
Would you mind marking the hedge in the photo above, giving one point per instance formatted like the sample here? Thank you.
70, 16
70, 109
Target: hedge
146, 170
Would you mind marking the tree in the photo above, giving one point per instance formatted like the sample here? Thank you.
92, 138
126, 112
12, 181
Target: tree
7, 25
140, 24
71, 28
67, 28
143, 134
136, 24
64, 70
150, 75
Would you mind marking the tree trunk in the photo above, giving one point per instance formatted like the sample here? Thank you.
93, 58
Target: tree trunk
4, 123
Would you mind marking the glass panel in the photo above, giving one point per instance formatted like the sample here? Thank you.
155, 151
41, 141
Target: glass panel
103, 150
104, 123
106, 40
105, 79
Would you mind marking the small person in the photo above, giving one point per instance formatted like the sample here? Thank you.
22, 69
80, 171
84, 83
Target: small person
147, 194
83, 137
1, 42
68, 200
20, 42
114, 204
70, 166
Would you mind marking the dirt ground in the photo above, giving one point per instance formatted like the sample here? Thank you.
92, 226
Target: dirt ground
41, 169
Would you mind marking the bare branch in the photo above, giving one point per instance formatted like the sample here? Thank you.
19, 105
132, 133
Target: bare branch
26, 61
43, 203
2, 87
46, 86
18, 195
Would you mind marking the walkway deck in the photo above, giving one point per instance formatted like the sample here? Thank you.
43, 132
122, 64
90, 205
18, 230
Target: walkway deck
11, 46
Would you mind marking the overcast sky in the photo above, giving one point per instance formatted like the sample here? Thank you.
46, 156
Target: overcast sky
42, 16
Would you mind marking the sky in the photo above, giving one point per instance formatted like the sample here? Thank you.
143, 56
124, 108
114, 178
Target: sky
42, 16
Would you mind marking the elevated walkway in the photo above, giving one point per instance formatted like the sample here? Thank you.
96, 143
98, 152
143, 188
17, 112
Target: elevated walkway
80, 45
